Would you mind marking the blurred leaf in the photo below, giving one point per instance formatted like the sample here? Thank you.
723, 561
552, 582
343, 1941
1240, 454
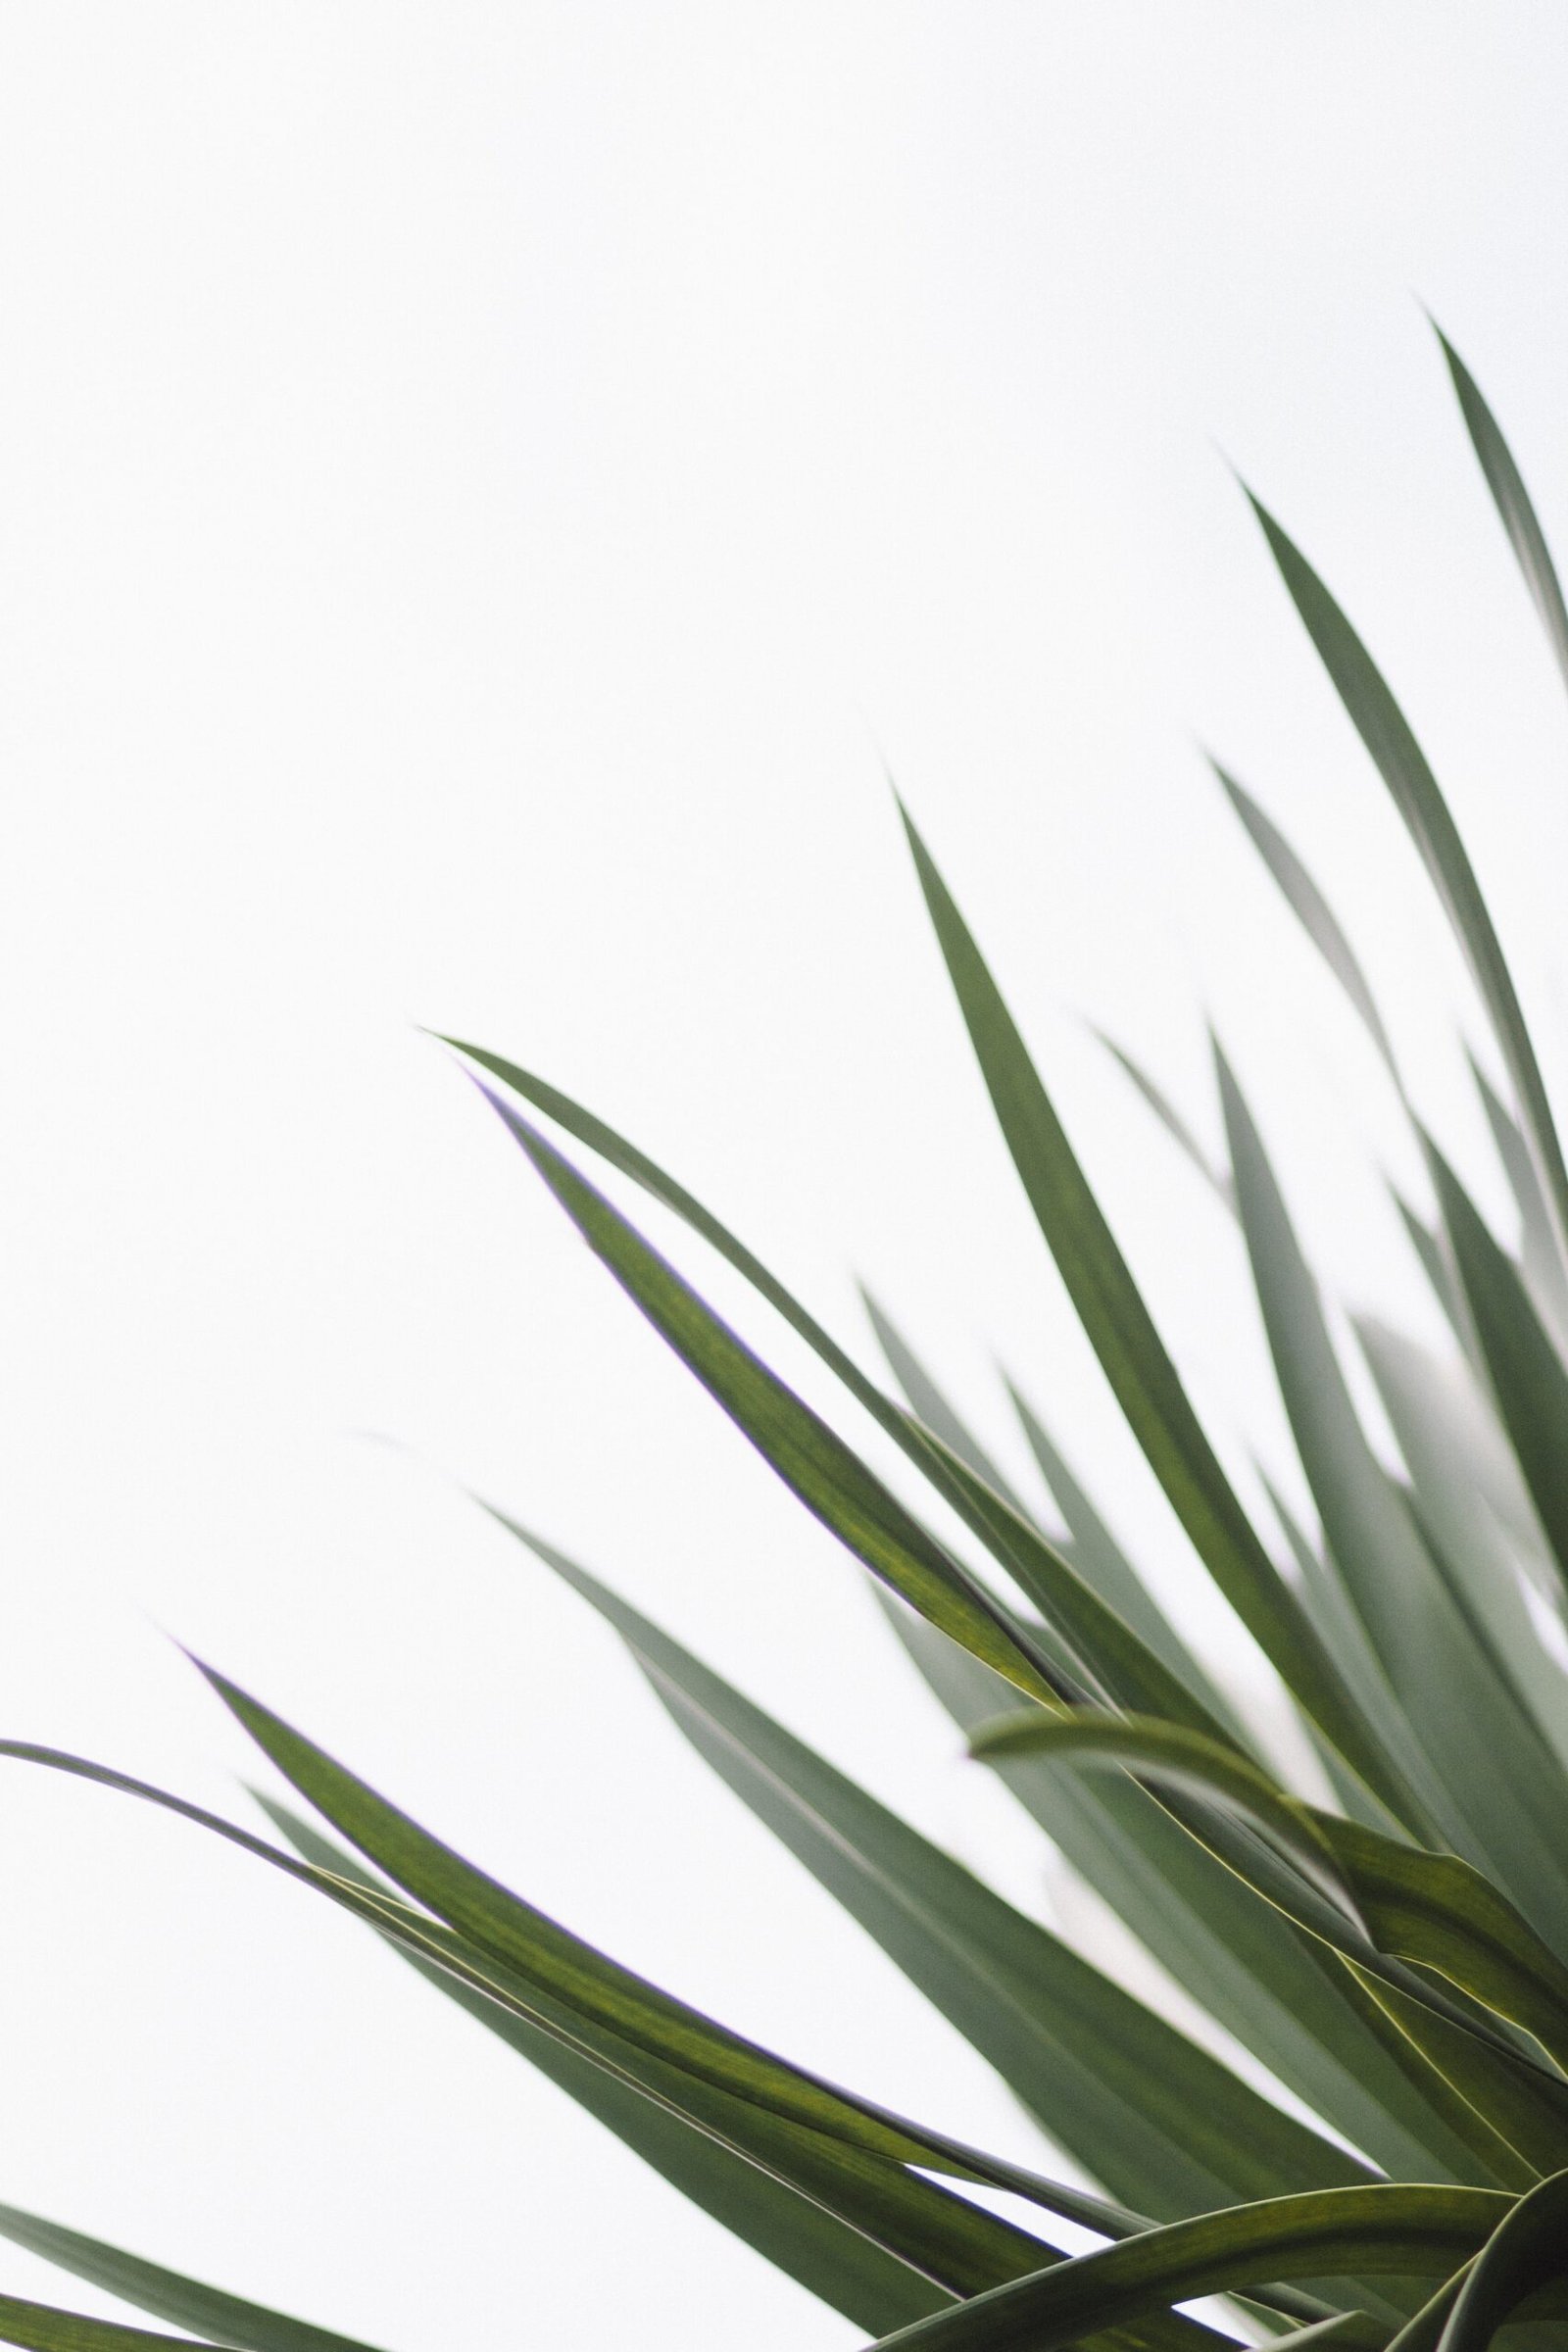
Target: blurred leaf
811, 1460
1527, 1376
1507, 484
1279, 1991
1461, 1465
1314, 911
1170, 1118
1493, 1786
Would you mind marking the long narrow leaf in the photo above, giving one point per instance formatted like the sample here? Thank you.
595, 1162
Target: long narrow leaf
1528, 1375
1280, 1990
1402, 766
811, 1460
1493, 1787
1507, 484
1526, 2251
1139, 2105
205, 2311
1134, 1358
1385, 2229
1312, 909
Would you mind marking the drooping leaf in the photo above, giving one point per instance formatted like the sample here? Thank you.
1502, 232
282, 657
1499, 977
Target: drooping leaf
1385, 2229
778, 2190
1280, 1991
1380, 1903
857, 2147
1180, 1760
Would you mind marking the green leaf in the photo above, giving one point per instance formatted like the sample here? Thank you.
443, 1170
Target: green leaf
811, 1460
1432, 1910
784, 2192
1527, 1376
1526, 2252
1539, 1256
930, 1405
1440, 1912
40, 2327
1097, 1556
1401, 764
1155, 2118
574, 1988
1492, 1788
1507, 484
1512, 2111
1277, 1989
1383, 2229
205, 2311
984, 1508
1177, 1758
1434, 1263
1470, 1500
1170, 1118
1140, 1371
1313, 910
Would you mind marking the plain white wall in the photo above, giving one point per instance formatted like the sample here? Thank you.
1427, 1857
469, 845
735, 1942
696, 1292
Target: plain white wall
480, 490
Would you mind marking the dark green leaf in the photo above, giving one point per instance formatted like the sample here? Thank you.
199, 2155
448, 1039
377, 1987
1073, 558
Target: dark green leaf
205, 2311
1526, 2251
1385, 2229
811, 1460
1401, 764
40, 2327
1134, 1358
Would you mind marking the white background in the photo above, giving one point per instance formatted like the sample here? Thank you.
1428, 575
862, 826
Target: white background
481, 491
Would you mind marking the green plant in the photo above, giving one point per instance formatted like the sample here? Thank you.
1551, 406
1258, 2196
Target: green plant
1400, 1961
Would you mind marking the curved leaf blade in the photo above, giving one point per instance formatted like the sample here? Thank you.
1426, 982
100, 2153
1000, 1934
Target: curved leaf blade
1526, 2251
1385, 2229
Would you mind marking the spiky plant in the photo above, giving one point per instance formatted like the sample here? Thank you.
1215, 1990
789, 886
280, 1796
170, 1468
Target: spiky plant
1398, 1959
